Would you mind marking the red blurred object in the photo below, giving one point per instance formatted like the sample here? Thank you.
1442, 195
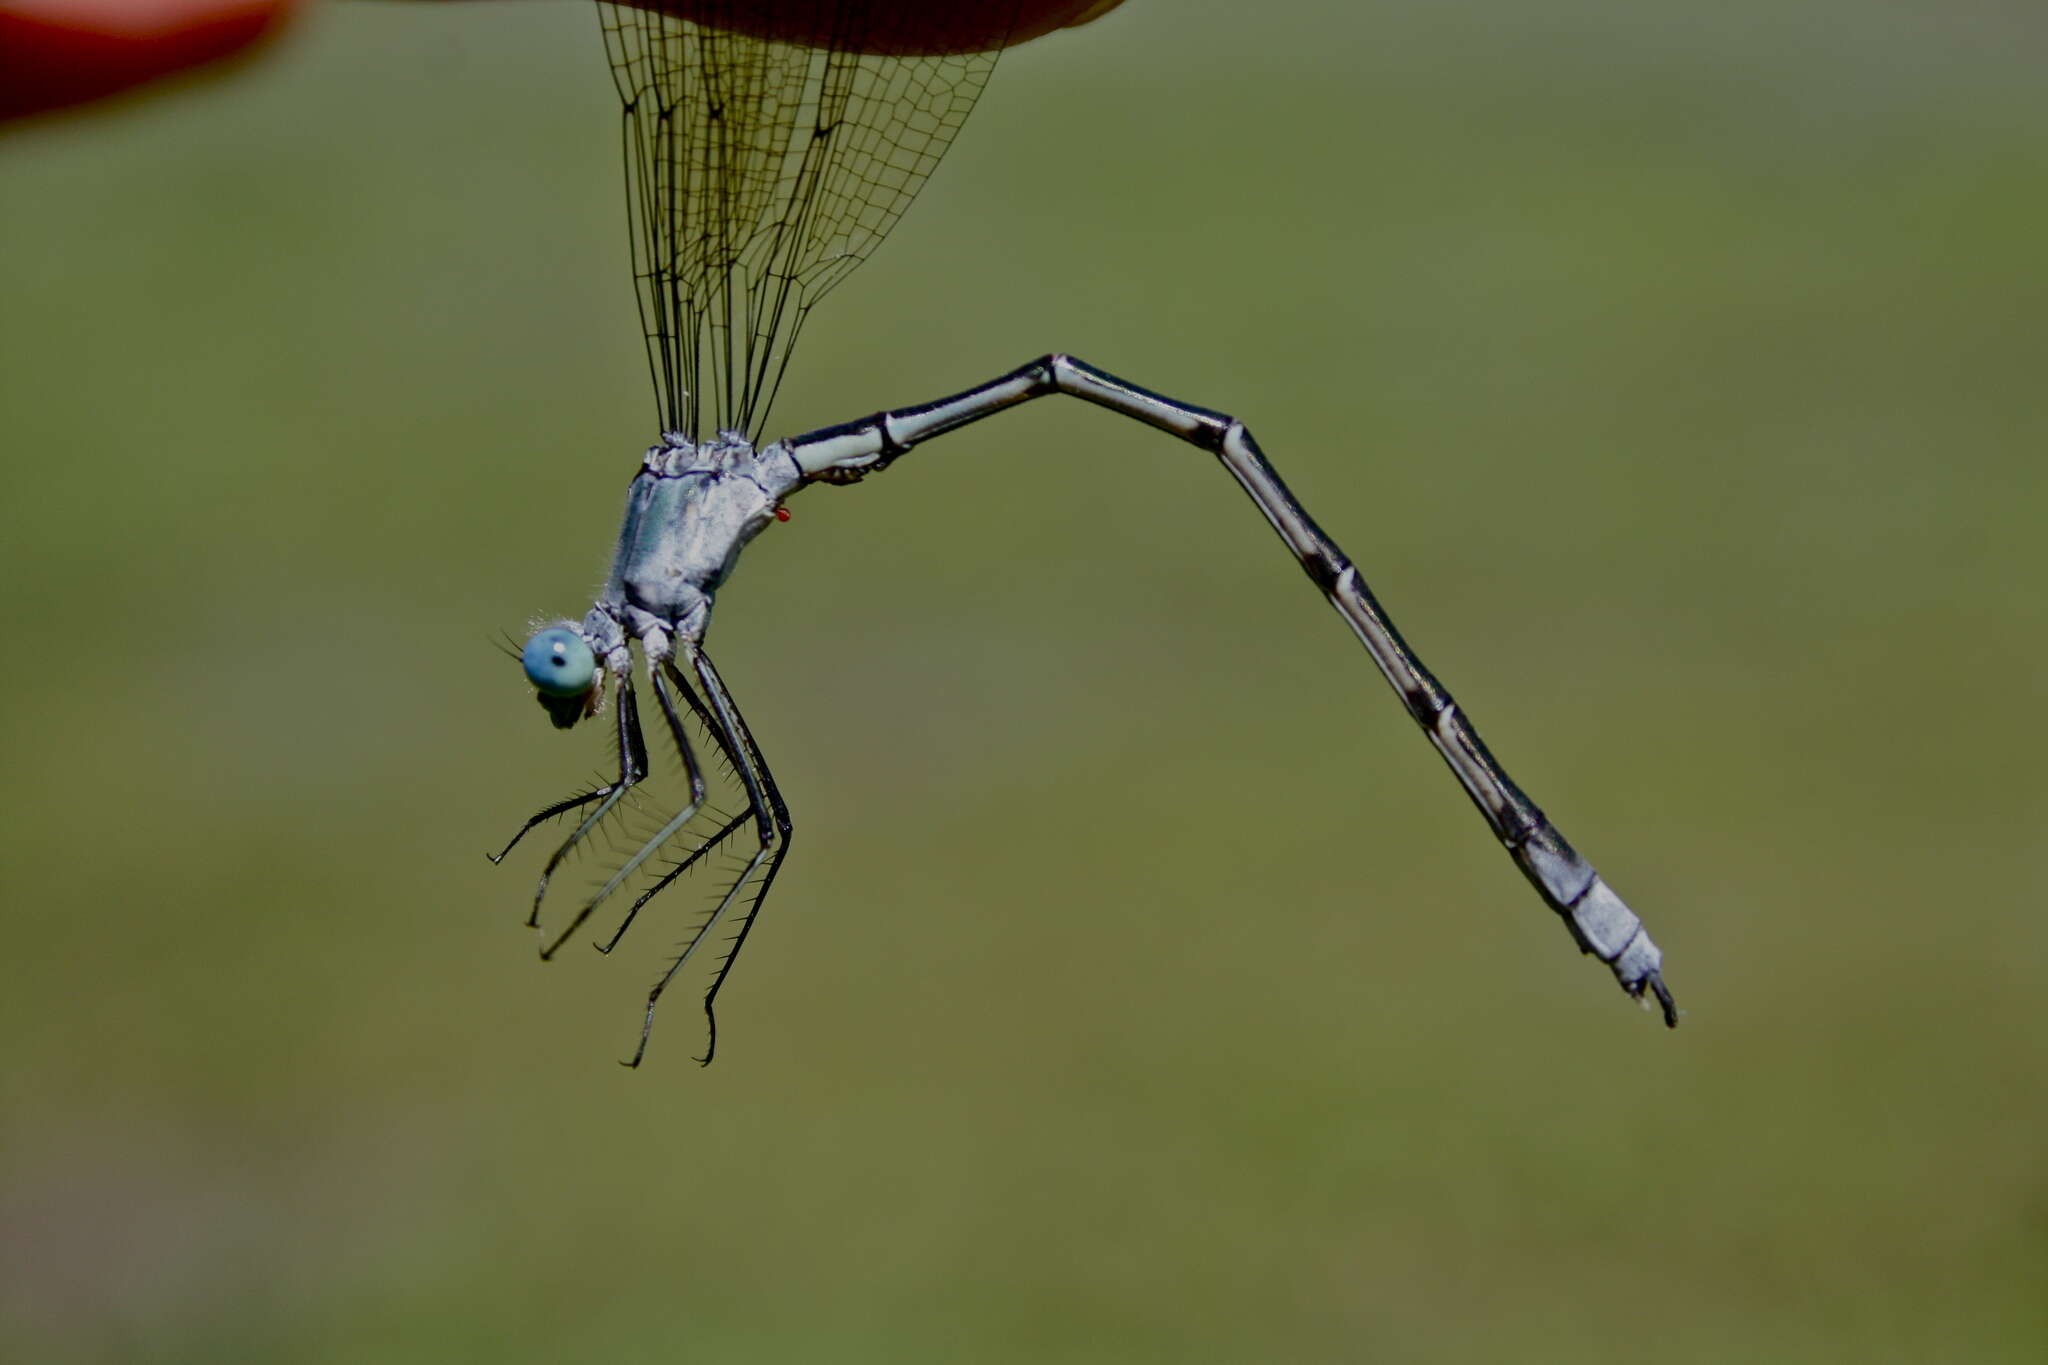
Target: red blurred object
898, 28
55, 53
60, 52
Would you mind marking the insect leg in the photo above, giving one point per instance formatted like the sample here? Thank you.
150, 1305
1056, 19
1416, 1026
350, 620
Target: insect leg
770, 816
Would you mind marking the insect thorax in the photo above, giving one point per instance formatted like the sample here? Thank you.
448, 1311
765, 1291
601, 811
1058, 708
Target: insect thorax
689, 512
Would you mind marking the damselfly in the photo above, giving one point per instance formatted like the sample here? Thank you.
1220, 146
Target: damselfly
769, 147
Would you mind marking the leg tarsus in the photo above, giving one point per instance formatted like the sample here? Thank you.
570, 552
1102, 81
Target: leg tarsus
771, 819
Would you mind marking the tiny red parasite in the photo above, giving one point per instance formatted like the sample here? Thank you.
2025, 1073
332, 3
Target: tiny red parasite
782, 514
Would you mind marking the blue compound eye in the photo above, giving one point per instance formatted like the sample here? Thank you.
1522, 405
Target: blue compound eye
559, 663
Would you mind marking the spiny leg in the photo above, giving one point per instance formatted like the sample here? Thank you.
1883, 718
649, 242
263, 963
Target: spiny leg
562, 807
706, 847
1598, 919
688, 758
709, 845
547, 813
772, 827
632, 771
682, 818
712, 842
778, 812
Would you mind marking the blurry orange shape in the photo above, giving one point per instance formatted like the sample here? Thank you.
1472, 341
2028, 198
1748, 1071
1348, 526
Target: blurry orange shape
60, 52
901, 28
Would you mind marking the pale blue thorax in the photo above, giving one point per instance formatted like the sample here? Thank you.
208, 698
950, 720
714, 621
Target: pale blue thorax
689, 512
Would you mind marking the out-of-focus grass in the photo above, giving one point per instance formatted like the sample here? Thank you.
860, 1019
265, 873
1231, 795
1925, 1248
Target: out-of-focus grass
1141, 988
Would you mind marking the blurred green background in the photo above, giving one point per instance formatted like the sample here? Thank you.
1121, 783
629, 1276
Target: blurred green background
1141, 987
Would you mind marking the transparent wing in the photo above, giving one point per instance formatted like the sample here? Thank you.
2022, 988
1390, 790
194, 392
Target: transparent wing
759, 172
